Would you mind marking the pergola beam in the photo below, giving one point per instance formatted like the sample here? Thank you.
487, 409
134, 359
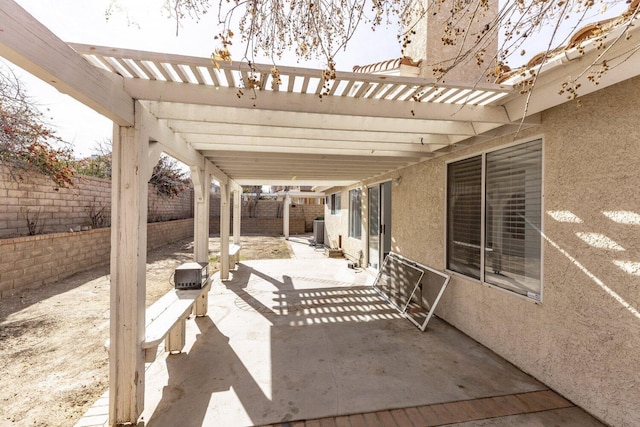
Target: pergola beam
254, 143
33, 47
302, 182
307, 120
154, 90
371, 152
195, 128
176, 147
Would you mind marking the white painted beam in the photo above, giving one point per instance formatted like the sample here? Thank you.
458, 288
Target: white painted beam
32, 46
257, 144
156, 90
194, 128
418, 153
174, 145
265, 69
291, 182
305, 120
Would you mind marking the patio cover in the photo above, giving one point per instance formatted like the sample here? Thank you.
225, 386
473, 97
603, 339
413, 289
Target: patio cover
361, 127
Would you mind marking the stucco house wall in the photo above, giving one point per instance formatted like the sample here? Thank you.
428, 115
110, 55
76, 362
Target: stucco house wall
337, 227
583, 340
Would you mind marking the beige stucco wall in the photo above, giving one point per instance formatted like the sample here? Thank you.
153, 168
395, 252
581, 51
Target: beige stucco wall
584, 339
338, 225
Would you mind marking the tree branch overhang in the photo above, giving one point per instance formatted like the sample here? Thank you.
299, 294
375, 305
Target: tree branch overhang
302, 128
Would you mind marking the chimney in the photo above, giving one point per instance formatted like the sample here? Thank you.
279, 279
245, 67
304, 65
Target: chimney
437, 48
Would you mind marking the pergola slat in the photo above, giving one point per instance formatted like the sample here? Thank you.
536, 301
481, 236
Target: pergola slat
163, 70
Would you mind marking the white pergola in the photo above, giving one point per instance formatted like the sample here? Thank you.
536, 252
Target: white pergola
361, 127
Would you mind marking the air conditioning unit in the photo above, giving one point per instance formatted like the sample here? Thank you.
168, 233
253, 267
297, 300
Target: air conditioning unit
318, 231
191, 275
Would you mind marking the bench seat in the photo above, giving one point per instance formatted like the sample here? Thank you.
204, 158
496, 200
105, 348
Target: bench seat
234, 255
166, 319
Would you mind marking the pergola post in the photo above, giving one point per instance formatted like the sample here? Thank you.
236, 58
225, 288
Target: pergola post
225, 213
285, 215
237, 214
128, 272
201, 182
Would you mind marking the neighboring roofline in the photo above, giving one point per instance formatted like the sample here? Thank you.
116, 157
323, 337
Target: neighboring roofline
391, 67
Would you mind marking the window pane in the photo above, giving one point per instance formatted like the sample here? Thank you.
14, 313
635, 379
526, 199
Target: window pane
513, 218
464, 199
355, 213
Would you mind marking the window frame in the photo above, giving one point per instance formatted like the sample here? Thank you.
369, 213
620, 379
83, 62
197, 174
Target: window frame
355, 226
335, 204
483, 154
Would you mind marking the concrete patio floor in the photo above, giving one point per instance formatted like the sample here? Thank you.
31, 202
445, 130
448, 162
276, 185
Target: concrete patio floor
307, 342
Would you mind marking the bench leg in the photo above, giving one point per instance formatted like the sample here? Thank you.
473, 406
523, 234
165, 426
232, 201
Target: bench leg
202, 304
175, 340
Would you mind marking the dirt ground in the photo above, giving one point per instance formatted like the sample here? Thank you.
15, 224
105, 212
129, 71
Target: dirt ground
54, 364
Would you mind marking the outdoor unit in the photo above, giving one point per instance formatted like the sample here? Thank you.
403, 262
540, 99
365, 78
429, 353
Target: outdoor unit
191, 275
318, 231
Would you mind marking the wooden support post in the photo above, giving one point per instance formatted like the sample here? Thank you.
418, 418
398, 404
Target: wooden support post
201, 179
237, 213
128, 272
225, 213
285, 215
201, 182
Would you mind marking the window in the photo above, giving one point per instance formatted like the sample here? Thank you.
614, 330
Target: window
355, 213
494, 204
335, 204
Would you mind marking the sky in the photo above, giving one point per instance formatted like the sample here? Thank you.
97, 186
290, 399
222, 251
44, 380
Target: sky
145, 26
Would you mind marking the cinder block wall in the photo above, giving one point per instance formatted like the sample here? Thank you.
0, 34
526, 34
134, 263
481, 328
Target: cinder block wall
33, 261
59, 210
265, 217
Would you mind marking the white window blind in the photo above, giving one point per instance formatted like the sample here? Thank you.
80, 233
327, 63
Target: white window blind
355, 213
465, 221
512, 206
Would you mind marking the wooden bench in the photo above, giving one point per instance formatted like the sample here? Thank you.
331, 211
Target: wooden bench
234, 255
166, 319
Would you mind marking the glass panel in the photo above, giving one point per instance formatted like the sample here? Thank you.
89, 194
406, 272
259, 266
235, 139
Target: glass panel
374, 226
513, 218
464, 208
355, 213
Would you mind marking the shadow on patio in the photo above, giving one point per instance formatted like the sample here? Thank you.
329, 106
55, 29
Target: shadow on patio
304, 339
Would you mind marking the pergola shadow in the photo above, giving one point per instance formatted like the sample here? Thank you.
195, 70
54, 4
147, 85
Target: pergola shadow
301, 345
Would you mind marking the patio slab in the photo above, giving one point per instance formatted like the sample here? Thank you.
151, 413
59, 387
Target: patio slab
307, 339
307, 342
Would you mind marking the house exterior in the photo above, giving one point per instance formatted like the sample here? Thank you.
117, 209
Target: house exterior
583, 337
539, 230
526, 199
